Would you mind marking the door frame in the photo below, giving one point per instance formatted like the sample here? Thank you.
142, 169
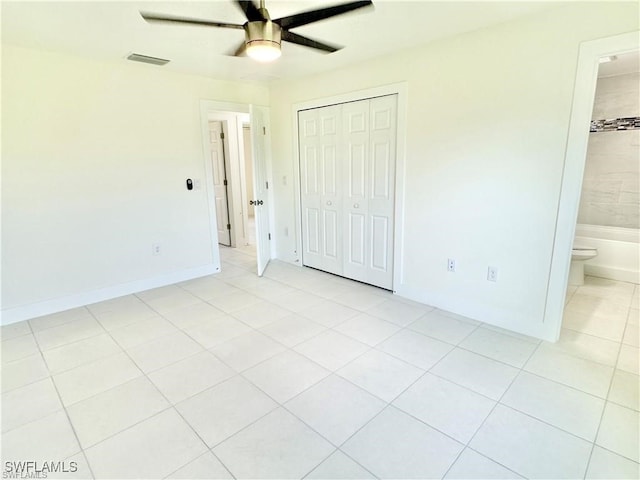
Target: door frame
575, 158
229, 187
231, 115
401, 90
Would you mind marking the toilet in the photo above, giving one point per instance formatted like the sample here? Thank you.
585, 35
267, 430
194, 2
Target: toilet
579, 255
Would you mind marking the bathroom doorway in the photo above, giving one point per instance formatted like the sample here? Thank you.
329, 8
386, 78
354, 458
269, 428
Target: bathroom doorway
574, 166
606, 240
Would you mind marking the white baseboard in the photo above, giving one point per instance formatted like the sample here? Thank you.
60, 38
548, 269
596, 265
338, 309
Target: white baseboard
491, 316
622, 275
60, 304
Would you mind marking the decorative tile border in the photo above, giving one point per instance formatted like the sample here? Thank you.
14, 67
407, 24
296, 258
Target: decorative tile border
615, 124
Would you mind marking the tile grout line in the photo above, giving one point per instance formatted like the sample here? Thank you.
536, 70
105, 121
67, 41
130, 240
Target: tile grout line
498, 402
604, 408
64, 409
171, 406
282, 405
390, 403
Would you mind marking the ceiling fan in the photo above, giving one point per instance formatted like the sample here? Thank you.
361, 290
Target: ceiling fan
263, 36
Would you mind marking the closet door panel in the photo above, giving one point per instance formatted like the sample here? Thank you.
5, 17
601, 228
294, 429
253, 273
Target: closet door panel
310, 183
355, 118
332, 207
321, 188
356, 235
381, 182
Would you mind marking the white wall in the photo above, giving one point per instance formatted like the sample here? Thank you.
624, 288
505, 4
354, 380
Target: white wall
94, 162
488, 117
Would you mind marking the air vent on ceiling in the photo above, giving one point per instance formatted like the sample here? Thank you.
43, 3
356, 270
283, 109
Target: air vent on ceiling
136, 57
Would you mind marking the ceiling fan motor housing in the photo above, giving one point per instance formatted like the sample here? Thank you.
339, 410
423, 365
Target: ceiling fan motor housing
262, 32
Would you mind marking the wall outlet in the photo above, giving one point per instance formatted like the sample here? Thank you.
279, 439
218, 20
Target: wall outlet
451, 265
156, 249
492, 274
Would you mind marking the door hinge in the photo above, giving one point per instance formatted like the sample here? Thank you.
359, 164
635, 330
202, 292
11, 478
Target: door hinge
228, 226
225, 182
222, 135
267, 185
264, 130
269, 236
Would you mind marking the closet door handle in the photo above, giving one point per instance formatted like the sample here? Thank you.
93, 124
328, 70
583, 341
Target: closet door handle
329, 203
356, 205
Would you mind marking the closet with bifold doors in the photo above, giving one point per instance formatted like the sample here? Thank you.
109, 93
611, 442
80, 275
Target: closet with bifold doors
347, 188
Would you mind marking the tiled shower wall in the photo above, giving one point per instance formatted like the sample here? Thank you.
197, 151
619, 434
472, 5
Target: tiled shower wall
611, 186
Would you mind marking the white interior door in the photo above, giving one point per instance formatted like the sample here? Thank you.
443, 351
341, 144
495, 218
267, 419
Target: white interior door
218, 166
347, 174
260, 188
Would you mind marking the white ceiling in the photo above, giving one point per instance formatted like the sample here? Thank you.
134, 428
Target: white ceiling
621, 65
111, 30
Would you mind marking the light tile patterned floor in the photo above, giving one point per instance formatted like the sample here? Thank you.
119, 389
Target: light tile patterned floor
300, 374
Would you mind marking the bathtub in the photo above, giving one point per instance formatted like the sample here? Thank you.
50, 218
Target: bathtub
618, 251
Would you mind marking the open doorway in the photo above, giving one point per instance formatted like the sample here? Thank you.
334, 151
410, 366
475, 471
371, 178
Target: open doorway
608, 220
220, 167
235, 142
605, 260
589, 58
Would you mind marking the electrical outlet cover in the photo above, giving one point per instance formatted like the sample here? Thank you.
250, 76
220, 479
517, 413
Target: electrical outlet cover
492, 274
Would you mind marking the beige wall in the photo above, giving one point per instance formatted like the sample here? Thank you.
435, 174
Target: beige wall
487, 122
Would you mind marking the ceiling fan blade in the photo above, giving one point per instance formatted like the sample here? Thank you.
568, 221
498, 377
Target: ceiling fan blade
152, 17
291, 37
304, 18
241, 51
251, 11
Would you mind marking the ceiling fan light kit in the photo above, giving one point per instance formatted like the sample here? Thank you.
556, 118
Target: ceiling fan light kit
263, 36
262, 40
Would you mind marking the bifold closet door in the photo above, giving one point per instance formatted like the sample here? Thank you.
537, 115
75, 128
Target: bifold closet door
320, 132
347, 170
369, 190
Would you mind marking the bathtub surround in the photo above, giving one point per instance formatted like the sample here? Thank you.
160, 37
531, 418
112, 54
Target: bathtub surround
610, 186
610, 190
615, 124
618, 251
617, 96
